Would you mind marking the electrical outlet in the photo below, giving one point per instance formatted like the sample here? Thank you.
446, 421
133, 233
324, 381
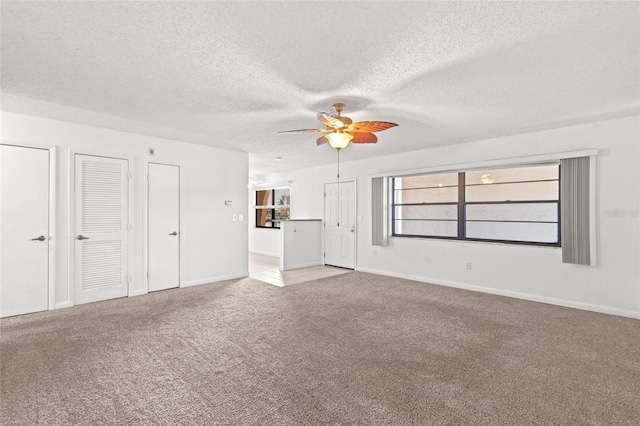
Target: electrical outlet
467, 266
235, 217
241, 217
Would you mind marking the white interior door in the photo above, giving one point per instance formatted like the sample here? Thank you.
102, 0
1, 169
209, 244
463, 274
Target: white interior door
163, 227
340, 224
24, 231
101, 234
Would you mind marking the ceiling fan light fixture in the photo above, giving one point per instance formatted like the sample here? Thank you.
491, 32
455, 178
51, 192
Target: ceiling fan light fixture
339, 140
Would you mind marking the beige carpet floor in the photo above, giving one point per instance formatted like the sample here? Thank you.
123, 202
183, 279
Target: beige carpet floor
352, 349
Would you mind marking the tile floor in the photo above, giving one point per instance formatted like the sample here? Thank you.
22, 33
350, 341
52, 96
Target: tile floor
267, 269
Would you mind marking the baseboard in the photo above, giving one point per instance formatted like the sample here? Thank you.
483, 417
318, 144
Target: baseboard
265, 253
138, 293
302, 265
514, 294
213, 280
65, 304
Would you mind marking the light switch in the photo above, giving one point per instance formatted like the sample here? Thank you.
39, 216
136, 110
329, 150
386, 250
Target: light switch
359, 218
241, 217
235, 217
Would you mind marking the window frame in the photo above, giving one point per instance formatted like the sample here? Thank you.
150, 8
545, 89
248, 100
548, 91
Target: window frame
271, 207
462, 204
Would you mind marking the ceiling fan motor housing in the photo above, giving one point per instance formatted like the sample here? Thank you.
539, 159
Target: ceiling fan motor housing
338, 107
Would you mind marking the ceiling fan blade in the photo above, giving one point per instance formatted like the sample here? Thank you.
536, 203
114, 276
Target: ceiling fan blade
329, 120
364, 138
292, 132
370, 126
321, 140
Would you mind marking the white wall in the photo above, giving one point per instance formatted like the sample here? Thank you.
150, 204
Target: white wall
213, 246
530, 272
263, 240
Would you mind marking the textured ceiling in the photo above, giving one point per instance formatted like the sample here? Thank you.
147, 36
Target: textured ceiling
232, 74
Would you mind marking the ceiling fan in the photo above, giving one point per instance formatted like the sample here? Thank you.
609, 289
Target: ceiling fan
342, 130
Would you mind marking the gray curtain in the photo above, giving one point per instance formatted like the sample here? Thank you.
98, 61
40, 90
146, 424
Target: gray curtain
574, 211
378, 236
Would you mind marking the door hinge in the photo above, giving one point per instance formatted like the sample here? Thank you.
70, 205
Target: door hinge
147, 274
128, 279
130, 175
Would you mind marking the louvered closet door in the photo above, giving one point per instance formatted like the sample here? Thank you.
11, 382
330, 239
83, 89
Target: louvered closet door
101, 213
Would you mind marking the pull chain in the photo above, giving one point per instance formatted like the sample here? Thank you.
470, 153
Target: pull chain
339, 188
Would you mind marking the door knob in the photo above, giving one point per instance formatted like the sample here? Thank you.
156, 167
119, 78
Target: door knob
82, 237
173, 233
40, 238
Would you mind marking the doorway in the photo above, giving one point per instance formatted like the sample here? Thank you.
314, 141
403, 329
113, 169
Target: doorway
25, 233
101, 224
340, 224
163, 226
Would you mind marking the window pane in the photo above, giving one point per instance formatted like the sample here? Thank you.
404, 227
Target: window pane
513, 192
282, 214
281, 197
426, 181
263, 217
510, 231
427, 212
542, 212
431, 195
520, 174
426, 228
263, 197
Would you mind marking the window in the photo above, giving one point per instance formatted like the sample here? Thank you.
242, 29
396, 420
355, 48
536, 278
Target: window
272, 206
517, 205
